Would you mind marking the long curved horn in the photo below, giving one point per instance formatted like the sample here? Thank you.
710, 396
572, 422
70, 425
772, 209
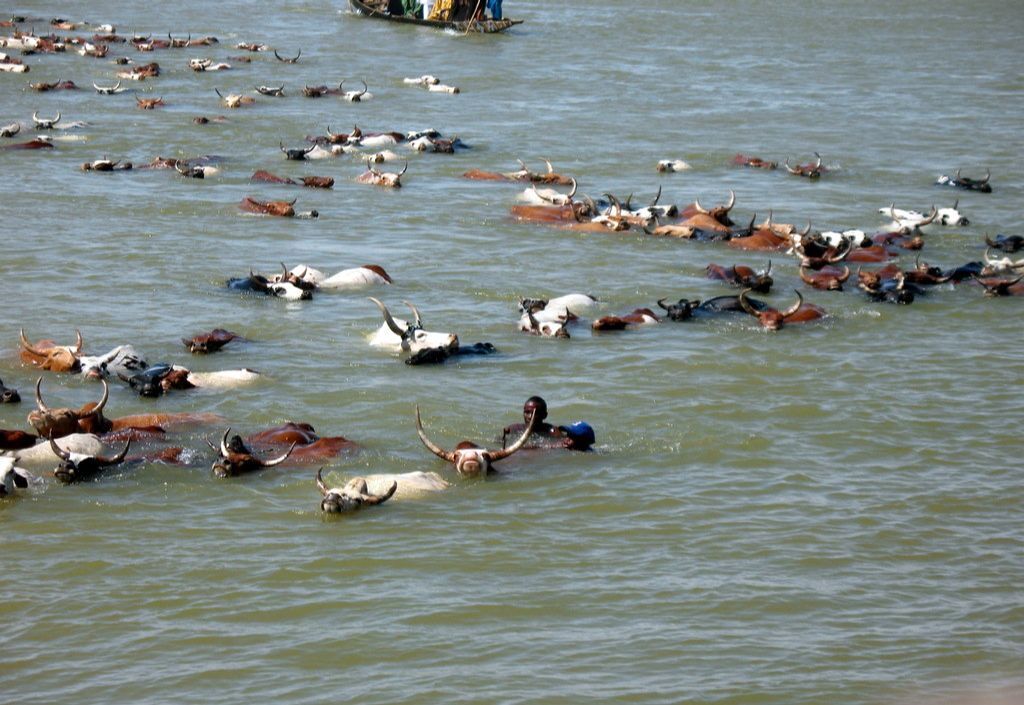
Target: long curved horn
956, 203
320, 482
431, 446
365, 88
807, 230
988, 260
790, 169
699, 208
661, 302
840, 256
277, 461
224, 443
989, 242
657, 197
795, 307
177, 168
117, 458
614, 202
58, 451
845, 275
551, 169
388, 318
98, 409
957, 176
930, 218
769, 270
219, 94
284, 272
381, 498
988, 175
404, 169
746, 304
732, 201
333, 135
28, 346
573, 192
291, 202
505, 452
39, 397
416, 313
804, 278
818, 165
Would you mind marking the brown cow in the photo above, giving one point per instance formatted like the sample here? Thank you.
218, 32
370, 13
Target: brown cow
742, 276
283, 209
148, 103
234, 458
808, 171
639, 316
266, 177
1002, 287
523, 174
57, 423
47, 355
827, 278
209, 342
16, 440
773, 319
470, 459
309, 448
753, 162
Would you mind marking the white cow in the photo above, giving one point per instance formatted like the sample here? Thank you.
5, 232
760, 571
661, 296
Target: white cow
399, 335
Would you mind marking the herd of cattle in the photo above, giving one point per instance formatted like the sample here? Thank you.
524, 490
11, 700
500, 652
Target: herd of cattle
75, 439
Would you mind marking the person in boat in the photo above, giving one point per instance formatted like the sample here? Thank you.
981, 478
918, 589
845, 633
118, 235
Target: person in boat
575, 436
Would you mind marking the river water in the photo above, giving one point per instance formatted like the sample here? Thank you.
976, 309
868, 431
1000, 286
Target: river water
829, 513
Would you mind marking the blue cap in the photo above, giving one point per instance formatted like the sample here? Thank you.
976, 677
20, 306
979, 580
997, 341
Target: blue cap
581, 433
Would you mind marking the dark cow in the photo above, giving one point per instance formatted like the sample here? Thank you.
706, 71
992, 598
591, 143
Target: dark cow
266, 177
296, 154
966, 183
8, 395
282, 59
157, 380
16, 440
235, 458
887, 286
1006, 243
995, 287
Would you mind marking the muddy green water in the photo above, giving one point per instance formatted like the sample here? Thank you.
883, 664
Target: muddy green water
821, 515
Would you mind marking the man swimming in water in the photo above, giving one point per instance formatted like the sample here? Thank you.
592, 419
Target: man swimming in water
575, 436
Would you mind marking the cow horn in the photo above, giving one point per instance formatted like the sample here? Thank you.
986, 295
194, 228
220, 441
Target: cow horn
573, 192
768, 223
280, 145
388, 318
431, 446
818, 165
333, 135
28, 346
988, 175
551, 169
988, 260
840, 256
988, 241
769, 270
732, 201
804, 278
217, 91
534, 323
615, 202
287, 61
657, 197
78, 336
930, 218
177, 168
279, 460
39, 397
746, 304
790, 169
629, 202
404, 169
291, 202
285, 272
807, 230
957, 176
320, 482
117, 458
892, 211
223, 443
365, 88
795, 307
661, 302
415, 313
750, 226
379, 498
699, 208
58, 451
522, 166
505, 452
845, 275
98, 409
956, 203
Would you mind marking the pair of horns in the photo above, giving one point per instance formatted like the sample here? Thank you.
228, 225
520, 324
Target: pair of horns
390, 320
77, 350
285, 60
727, 207
754, 312
102, 460
96, 410
264, 463
494, 455
359, 485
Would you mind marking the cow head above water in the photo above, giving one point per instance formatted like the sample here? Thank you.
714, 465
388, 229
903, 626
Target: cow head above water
76, 467
352, 496
57, 423
236, 459
410, 336
48, 356
469, 459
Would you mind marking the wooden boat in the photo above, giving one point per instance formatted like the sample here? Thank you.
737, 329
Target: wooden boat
378, 10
